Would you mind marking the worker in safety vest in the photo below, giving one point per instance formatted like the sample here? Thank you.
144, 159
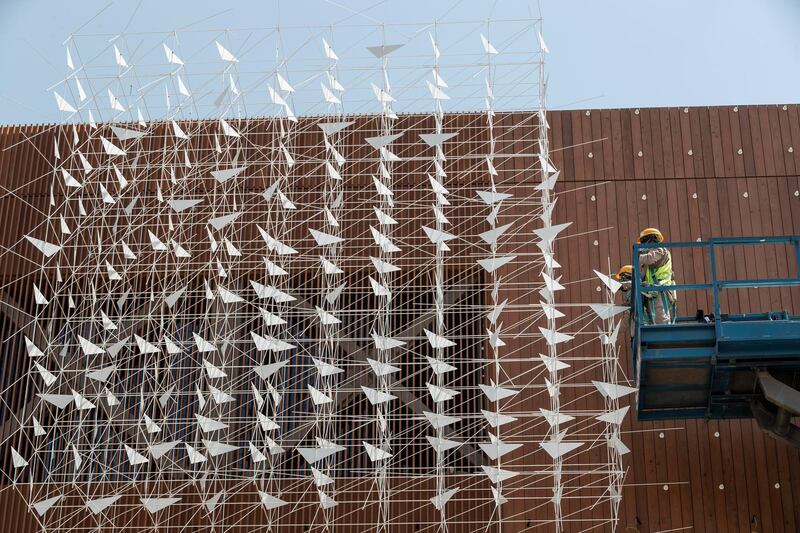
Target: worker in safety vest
625, 277
659, 307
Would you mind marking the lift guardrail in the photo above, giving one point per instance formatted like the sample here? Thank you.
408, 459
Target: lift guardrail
709, 366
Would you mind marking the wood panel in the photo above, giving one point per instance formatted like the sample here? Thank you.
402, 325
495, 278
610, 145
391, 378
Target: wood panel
720, 476
692, 172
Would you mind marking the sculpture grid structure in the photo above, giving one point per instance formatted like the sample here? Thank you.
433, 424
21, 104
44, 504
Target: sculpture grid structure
308, 324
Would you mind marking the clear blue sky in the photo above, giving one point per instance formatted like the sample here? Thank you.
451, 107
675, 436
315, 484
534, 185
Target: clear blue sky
615, 53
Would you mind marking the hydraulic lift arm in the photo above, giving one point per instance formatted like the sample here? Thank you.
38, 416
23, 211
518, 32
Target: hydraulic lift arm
775, 414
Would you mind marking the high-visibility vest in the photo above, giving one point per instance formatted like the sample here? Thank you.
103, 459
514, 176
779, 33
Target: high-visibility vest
661, 275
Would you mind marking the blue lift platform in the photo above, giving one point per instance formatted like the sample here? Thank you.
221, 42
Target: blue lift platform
719, 365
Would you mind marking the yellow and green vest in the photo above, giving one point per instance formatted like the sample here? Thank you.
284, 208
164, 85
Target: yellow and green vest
661, 275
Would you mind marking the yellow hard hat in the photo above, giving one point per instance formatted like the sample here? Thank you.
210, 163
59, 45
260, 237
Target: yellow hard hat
651, 231
627, 269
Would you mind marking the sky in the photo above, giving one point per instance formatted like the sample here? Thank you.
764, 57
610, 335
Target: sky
615, 53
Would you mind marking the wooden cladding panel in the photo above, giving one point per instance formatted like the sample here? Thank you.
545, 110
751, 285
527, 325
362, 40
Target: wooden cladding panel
684, 154
694, 173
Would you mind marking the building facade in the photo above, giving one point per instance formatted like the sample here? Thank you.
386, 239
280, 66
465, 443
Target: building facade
695, 173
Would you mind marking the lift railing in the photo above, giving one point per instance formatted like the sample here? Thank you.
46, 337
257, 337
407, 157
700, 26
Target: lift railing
716, 285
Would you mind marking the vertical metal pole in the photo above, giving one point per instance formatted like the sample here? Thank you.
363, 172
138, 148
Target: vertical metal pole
717, 325
714, 283
796, 256
637, 310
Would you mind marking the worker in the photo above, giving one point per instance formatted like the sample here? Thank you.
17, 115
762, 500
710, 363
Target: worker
625, 277
659, 306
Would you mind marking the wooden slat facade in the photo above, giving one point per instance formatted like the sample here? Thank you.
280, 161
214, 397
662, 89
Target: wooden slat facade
695, 173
